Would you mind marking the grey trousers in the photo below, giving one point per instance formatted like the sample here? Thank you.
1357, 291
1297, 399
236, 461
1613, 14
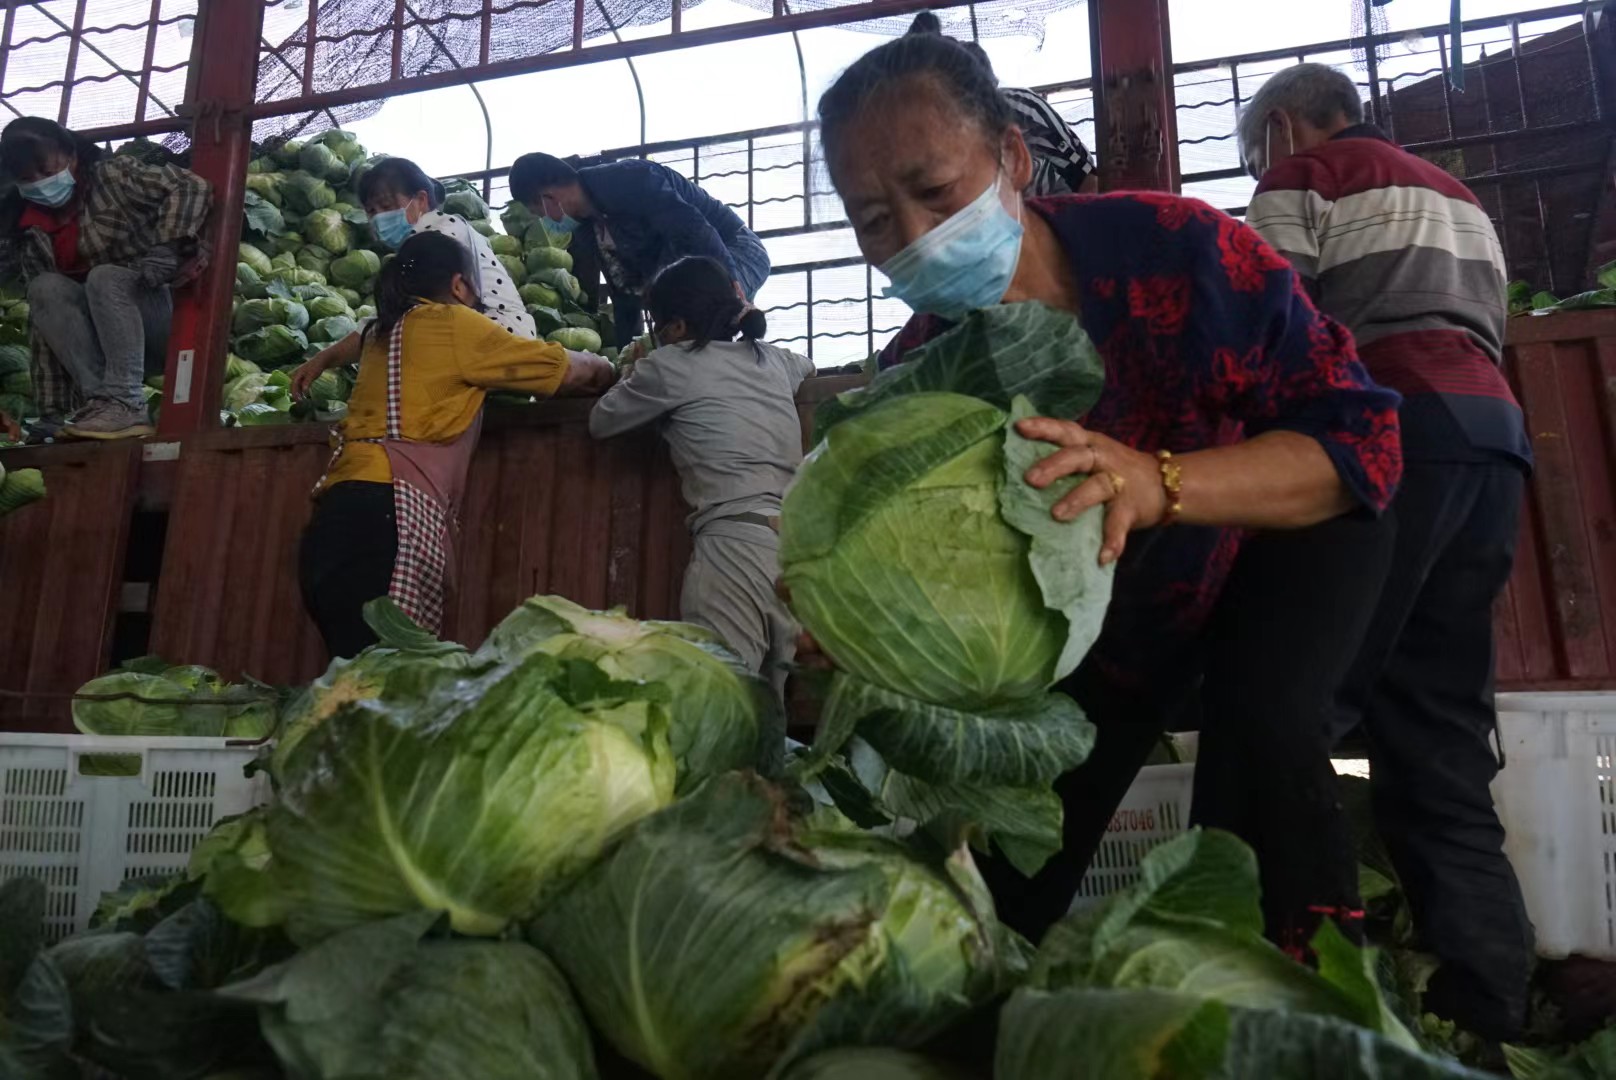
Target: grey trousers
106, 331
729, 589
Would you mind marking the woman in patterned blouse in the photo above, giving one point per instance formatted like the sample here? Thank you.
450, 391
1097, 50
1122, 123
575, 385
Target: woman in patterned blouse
1213, 354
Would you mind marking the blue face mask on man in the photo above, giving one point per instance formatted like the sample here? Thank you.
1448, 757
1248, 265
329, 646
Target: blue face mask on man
49, 191
392, 227
963, 264
566, 223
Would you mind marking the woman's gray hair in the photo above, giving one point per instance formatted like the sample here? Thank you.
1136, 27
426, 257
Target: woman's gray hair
1316, 93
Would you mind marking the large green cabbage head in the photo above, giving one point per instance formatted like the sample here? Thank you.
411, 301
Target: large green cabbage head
326, 229
402, 646
933, 575
305, 193
187, 700
722, 716
381, 1000
1172, 977
253, 257
327, 305
255, 314
356, 270
471, 791
344, 144
272, 345
313, 257
726, 936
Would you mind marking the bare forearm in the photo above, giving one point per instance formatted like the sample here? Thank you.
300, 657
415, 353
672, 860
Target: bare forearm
340, 353
1278, 480
586, 375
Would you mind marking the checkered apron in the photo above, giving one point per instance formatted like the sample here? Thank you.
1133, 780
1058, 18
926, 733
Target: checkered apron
427, 481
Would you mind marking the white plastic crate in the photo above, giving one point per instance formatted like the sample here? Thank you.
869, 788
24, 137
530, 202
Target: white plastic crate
86, 835
1557, 797
1156, 809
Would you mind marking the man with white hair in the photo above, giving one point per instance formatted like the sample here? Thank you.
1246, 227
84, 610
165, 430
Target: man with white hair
1403, 254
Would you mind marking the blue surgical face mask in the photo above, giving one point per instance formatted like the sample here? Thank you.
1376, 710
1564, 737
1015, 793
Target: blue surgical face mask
963, 264
566, 223
392, 227
50, 191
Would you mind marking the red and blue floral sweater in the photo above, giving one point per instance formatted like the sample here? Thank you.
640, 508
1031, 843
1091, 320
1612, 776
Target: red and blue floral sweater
1208, 337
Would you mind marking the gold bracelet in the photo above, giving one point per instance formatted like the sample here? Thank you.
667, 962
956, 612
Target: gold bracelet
1172, 477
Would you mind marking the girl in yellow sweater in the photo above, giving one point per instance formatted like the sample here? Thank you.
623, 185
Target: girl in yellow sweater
386, 511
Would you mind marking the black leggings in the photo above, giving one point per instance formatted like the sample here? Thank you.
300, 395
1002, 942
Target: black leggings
1287, 627
346, 560
1128, 724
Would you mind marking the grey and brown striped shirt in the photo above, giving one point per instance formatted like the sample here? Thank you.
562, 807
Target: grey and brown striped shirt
1403, 254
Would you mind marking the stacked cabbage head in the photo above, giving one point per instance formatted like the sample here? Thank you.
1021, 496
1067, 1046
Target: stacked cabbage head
937, 581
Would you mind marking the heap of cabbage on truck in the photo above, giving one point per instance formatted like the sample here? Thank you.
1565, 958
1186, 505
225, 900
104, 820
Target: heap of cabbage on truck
305, 277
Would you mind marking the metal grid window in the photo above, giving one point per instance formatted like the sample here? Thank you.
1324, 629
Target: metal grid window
1527, 136
106, 66
821, 297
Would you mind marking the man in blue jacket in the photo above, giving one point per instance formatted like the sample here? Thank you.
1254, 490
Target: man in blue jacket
635, 217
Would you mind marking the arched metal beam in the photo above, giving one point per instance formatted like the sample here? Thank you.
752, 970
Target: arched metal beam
488, 122
639, 91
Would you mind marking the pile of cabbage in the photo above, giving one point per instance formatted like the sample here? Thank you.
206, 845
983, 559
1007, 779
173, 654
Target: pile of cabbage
16, 375
572, 852
305, 276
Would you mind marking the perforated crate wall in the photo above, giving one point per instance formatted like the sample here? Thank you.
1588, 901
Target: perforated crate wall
84, 835
1156, 809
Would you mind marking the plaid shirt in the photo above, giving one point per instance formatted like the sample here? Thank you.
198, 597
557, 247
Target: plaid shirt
126, 209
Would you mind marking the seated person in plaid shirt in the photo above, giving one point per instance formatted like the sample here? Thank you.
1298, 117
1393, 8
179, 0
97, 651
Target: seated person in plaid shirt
386, 512
100, 241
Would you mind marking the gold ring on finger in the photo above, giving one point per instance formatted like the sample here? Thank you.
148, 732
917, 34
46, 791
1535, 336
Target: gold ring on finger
1117, 483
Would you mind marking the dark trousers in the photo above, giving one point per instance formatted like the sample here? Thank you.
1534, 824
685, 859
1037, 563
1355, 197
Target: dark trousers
1128, 724
1423, 691
346, 561
1288, 626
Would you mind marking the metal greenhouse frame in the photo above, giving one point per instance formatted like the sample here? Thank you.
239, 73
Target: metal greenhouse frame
186, 545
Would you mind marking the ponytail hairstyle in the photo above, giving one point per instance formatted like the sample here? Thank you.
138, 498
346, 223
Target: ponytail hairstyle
27, 142
926, 63
928, 23
401, 177
699, 291
424, 269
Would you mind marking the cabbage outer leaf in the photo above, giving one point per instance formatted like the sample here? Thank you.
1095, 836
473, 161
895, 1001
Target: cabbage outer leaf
475, 795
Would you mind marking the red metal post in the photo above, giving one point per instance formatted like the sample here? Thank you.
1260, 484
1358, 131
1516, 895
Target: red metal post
1133, 90
487, 31
5, 41
310, 30
398, 39
146, 65
607, 50
72, 61
223, 73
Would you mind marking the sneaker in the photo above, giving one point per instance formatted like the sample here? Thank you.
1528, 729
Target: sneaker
105, 419
43, 430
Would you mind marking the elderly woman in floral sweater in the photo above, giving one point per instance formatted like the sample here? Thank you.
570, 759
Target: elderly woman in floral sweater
1230, 404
